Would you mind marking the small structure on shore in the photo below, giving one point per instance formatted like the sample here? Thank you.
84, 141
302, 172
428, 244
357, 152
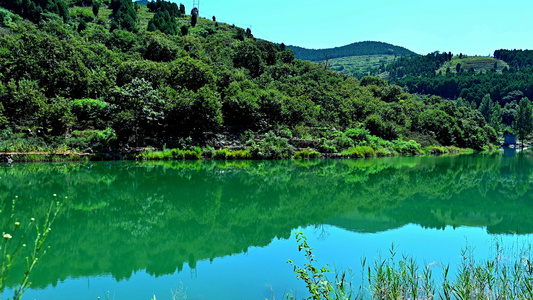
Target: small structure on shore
509, 141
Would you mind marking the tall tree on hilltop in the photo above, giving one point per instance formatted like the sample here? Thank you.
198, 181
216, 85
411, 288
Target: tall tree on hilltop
193, 20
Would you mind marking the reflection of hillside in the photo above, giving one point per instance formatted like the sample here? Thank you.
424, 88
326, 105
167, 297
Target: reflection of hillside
364, 223
123, 217
481, 191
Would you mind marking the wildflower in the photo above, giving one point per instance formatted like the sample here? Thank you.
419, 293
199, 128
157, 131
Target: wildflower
17, 224
7, 236
55, 195
32, 219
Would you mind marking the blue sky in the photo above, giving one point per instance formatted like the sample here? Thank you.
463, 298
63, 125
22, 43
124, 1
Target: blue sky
423, 26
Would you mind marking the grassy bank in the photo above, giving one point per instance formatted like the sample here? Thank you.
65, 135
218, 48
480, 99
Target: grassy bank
303, 143
286, 144
508, 274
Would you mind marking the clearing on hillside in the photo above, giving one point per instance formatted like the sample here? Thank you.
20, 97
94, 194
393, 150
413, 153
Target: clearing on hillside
477, 63
360, 66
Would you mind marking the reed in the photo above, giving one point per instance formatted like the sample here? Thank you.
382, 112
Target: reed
403, 277
12, 245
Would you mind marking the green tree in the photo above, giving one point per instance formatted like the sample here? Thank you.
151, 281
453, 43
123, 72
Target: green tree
193, 20
151, 27
440, 125
164, 22
161, 50
23, 102
523, 124
191, 113
486, 107
286, 56
377, 127
156, 73
57, 117
140, 110
91, 113
248, 56
242, 108
496, 117
3, 118
373, 80
191, 73
124, 15
269, 52
96, 8
63, 11
207, 110
184, 30
82, 26
239, 34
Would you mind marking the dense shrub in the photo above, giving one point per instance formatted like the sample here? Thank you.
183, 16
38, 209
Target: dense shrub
93, 140
359, 152
306, 154
271, 147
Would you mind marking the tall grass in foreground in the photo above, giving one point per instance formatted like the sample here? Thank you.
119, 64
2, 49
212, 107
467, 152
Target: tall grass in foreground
12, 244
504, 276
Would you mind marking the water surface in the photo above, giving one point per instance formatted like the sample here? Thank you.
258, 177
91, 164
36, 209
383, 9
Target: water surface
225, 230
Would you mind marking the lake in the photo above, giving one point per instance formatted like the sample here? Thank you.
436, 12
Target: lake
225, 229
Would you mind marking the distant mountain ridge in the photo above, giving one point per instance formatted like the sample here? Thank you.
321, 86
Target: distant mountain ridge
354, 49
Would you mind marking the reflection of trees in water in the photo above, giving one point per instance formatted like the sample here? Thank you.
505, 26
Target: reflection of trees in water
157, 216
321, 231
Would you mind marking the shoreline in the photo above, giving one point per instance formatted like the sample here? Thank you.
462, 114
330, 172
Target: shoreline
219, 154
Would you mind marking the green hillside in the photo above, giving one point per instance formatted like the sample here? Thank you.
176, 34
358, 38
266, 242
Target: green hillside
506, 77
355, 49
123, 77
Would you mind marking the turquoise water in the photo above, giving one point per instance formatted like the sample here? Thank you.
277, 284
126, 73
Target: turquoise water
225, 230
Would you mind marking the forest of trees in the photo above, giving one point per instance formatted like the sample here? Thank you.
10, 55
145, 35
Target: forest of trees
425, 66
36, 10
503, 90
165, 13
131, 79
420, 75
